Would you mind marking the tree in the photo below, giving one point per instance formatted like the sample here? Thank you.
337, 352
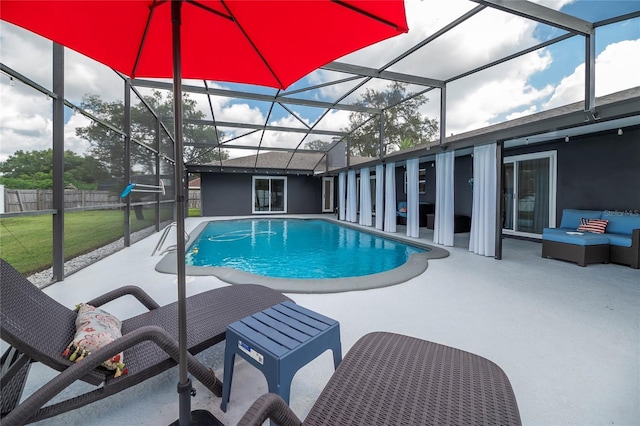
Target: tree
319, 145
34, 170
191, 133
404, 126
107, 146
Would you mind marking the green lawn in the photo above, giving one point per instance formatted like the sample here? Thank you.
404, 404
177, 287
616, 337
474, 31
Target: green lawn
26, 242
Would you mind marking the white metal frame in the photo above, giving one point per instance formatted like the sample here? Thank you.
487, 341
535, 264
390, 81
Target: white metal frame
553, 186
253, 194
331, 195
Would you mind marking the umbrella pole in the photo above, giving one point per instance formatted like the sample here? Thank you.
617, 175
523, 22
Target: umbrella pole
185, 390
184, 386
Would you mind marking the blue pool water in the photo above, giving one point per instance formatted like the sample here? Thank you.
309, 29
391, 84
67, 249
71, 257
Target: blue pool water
296, 248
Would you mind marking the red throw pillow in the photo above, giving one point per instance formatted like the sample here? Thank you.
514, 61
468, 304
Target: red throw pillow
597, 226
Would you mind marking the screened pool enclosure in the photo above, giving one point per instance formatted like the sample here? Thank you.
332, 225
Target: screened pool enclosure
477, 72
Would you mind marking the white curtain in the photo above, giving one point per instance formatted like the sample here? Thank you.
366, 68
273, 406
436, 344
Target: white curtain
342, 177
444, 220
380, 196
483, 219
352, 199
413, 219
390, 198
365, 197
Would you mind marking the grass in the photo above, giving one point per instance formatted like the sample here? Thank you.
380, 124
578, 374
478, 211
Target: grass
27, 243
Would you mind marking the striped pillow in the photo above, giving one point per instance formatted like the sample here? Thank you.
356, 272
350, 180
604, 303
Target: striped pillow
597, 226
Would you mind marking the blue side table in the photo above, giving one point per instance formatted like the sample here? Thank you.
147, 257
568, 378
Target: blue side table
279, 341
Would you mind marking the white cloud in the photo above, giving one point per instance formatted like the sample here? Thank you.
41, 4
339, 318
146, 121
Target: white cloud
86, 76
25, 122
239, 112
472, 102
18, 50
71, 141
617, 68
334, 120
477, 100
528, 111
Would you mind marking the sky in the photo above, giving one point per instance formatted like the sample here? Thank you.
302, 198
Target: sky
535, 82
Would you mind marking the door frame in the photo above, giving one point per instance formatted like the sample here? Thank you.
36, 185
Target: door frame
330, 180
254, 195
553, 187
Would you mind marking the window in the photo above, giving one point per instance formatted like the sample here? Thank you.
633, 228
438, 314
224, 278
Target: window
422, 181
269, 194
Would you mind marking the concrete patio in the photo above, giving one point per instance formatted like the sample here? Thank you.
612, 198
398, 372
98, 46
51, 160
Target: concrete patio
568, 337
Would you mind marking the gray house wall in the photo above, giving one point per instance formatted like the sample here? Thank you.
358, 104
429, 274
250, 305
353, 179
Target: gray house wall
598, 172
463, 196
230, 194
307, 195
225, 194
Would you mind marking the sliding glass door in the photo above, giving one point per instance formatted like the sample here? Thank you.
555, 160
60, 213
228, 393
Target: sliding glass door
529, 193
327, 194
269, 194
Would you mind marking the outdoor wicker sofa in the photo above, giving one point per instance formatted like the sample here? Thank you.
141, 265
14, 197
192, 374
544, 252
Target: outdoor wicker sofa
620, 243
38, 328
391, 379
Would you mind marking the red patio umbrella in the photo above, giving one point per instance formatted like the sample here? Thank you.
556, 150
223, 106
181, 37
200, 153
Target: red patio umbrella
264, 42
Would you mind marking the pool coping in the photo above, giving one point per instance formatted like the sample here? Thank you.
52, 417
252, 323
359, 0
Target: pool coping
415, 266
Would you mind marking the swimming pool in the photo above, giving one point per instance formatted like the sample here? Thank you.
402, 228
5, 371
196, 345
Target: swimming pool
296, 248
300, 255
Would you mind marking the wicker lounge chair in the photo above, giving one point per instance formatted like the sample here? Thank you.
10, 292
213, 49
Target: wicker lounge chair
39, 328
390, 379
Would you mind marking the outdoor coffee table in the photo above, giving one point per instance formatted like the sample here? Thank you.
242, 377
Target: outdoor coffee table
279, 341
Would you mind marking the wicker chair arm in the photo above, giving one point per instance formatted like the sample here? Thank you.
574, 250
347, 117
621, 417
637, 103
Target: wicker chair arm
21, 414
269, 406
132, 290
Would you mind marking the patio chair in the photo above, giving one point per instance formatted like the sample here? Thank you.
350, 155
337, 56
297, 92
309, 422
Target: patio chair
38, 328
391, 379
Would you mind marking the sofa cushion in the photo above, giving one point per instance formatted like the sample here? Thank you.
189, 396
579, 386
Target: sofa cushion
622, 224
402, 209
620, 240
574, 237
571, 217
597, 226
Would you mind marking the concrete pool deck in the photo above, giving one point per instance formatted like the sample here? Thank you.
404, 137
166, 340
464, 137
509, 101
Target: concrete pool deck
415, 266
567, 337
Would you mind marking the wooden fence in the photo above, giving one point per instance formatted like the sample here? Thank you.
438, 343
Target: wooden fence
24, 200
194, 198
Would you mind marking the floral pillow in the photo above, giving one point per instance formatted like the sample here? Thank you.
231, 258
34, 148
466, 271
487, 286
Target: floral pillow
94, 329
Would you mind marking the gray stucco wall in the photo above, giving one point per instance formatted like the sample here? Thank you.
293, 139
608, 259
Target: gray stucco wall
463, 196
598, 172
230, 194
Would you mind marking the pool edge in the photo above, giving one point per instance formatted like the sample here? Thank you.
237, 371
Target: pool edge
416, 265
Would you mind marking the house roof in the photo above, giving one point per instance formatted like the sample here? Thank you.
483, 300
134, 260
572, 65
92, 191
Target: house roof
304, 162
194, 183
279, 160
